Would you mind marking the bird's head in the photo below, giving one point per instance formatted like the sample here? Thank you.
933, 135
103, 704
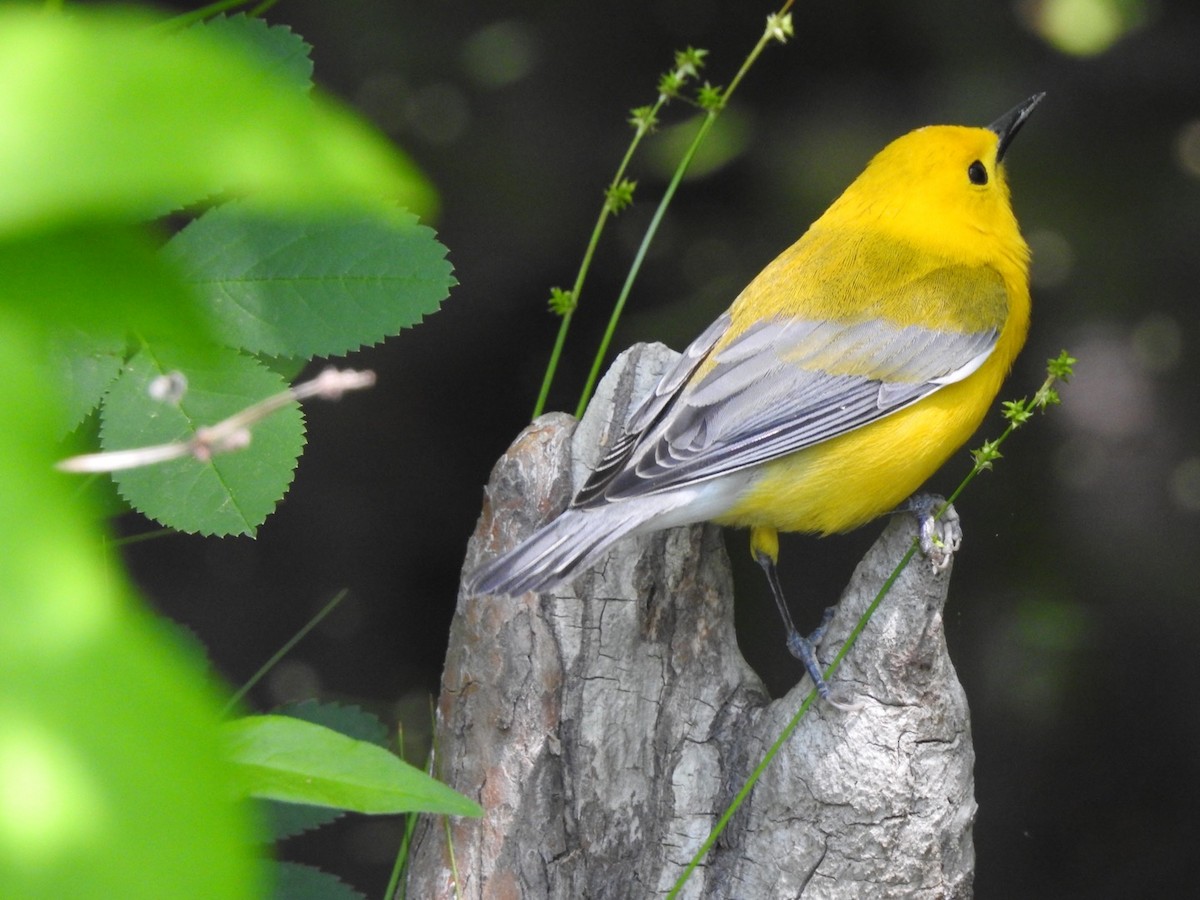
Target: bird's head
943, 188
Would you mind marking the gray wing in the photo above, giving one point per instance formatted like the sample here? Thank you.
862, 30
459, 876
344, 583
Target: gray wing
780, 386
644, 415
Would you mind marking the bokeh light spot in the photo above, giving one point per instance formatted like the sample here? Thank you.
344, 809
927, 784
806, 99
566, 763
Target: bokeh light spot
293, 680
1158, 342
1083, 27
1053, 258
1185, 484
1187, 148
439, 112
499, 54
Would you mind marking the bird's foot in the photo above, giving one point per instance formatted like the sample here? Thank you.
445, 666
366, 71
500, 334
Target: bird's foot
940, 536
805, 650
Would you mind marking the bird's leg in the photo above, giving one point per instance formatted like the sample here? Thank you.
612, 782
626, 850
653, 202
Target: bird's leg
764, 546
940, 537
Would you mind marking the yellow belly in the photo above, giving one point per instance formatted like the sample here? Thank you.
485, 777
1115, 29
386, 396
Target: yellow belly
848, 481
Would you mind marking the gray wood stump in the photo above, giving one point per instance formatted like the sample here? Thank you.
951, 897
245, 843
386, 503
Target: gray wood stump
606, 725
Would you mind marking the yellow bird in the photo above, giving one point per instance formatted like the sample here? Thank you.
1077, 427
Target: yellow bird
839, 380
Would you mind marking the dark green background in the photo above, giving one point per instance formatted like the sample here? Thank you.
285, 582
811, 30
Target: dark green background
1073, 616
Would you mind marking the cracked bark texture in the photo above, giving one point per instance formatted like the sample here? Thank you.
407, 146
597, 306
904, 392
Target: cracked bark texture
605, 726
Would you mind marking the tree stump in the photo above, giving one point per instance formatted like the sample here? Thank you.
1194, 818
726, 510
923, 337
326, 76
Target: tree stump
606, 725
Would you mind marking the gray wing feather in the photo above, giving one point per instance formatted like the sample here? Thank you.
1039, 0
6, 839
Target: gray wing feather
780, 386
646, 413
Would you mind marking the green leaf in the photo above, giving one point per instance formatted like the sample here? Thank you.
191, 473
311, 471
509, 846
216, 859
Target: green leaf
313, 285
111, 779
231, 493
352, 721
288, 819
281, 53
285, 820
83, 366
286, 367
296, 882
286, 759
107, 117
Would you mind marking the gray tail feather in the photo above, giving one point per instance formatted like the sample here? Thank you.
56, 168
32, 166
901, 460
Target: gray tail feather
555, 552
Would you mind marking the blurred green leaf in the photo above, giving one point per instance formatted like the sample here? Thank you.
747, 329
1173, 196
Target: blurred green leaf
107, 117
316, 285
111, 781
231, 493
99, 281
286, 759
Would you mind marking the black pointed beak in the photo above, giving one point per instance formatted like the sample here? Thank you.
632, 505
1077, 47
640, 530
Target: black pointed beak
1007, 126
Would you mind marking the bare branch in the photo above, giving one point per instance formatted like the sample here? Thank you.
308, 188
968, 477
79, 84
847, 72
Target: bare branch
226, 436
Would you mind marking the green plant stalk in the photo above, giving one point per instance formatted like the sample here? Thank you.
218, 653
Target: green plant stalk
644, 125
638, 258
791, 726
283, 651
769, 34
140, 537
453, 861
395, 889
434, 771
584, 266
1040, 401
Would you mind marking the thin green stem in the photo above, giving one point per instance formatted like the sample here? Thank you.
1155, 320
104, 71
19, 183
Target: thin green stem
400, 867
433, 768
453, 861
771, 34
560, 341
401, 863
775, 31
586, 264
638, 258
142, 537
283, 651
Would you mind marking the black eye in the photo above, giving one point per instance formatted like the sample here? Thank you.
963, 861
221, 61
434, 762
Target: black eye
977, 172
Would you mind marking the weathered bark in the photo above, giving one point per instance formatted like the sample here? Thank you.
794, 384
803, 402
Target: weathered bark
605, 726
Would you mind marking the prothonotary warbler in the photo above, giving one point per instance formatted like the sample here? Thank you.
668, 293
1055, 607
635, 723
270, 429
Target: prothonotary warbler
839, 380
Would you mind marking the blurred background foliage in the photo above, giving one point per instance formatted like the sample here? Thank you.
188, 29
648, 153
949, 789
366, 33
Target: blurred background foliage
1073, 616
